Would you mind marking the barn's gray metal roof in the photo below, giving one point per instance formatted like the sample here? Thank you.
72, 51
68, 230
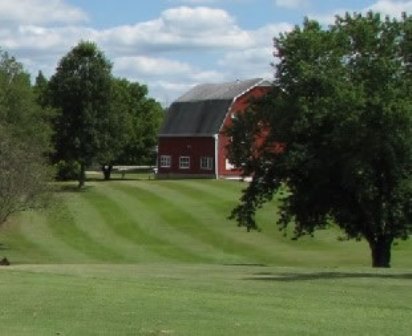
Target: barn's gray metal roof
202, 110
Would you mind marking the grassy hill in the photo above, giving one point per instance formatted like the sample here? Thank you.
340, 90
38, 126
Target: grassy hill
147, 257
145, 221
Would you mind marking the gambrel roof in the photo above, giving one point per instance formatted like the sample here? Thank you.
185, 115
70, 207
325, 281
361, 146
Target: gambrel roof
202, 110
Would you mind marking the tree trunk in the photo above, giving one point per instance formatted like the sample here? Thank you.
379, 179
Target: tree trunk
107, 171
381, 251
82, 175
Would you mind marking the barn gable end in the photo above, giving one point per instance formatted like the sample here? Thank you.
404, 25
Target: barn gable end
191, 141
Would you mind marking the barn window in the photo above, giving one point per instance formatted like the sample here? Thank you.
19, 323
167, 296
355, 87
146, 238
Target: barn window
165, 161
184, 162
206, 163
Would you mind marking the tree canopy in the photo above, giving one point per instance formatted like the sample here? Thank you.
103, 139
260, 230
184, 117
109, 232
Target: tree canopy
135, 119
341, 111
24, 141
80, 89
145, 116
101, 120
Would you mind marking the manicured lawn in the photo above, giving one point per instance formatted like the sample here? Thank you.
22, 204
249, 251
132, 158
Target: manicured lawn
195, 299
146, 257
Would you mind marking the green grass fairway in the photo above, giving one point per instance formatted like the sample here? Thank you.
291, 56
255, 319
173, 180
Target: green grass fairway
147, 257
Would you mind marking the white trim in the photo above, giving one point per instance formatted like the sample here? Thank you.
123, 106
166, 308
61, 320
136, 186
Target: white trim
228, 165
236, 98
229, 110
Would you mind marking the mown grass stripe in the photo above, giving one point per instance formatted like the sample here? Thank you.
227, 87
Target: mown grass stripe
22, 244
35, 229
153, 221
181, 221
66, 227
115, 228
273, 247
185, 215
273, 241
229, 190
165, 221
209, 192
130, 227
219, 199
95, 226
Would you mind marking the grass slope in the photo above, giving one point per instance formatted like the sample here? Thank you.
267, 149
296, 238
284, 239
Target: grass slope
167, 221
147, 257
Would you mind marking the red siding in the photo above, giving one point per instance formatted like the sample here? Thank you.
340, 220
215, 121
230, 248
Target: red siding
239, 106
193, 147
197, 147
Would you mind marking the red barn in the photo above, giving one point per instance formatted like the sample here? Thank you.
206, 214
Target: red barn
192, 142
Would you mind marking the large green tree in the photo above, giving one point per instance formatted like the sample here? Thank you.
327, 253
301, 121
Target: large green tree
337, 130
81, 89
120, 127
24, 141
135, 119
146, 115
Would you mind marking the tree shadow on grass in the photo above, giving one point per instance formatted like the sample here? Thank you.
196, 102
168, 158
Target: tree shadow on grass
246, 264
288, 277
70, 188
4, 247
113, 179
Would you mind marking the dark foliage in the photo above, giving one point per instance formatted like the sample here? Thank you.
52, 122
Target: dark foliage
341, 108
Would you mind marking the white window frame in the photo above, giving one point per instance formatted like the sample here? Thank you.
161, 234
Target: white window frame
206, 163
165, 161
184, 162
